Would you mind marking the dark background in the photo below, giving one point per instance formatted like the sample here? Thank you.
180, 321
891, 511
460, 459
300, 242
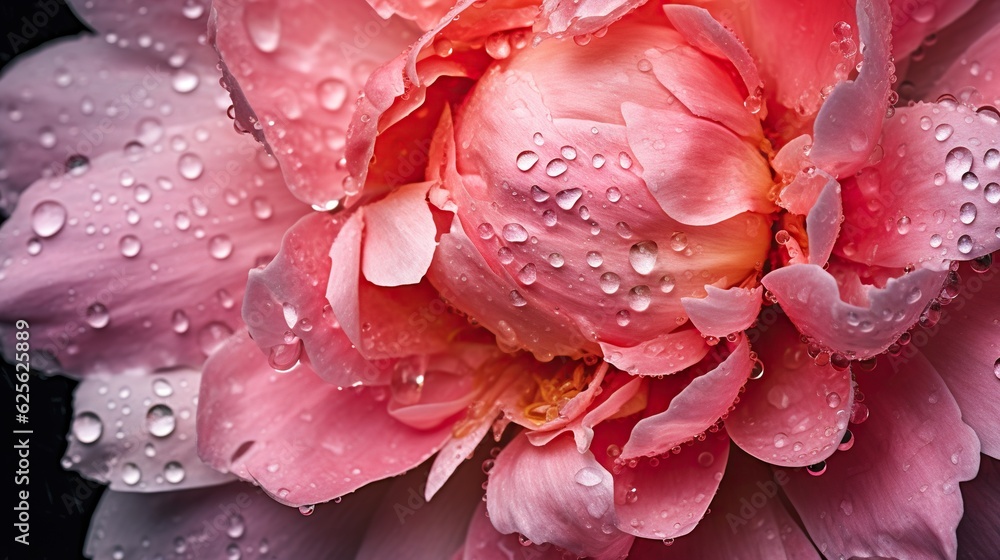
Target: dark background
62, 503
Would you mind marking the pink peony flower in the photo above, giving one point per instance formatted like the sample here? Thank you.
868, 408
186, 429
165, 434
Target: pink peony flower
597, 279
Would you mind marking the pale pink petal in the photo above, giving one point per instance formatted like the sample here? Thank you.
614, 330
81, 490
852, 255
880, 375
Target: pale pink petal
703, 31
748, 520
694, 409
555, 494
107, 95
935, 196
811, 298
560, 18
895, 493
425, 13
294, 69
662, 355
981, 496
823, 222
664, 498
455, 452
964, 347
138, 262
212, 522
797, 413
137, 434
345, 276
484, 542
443, 393
722, 312
913, 21
694, 194
288, 296
399, 237
303, 440
849, 122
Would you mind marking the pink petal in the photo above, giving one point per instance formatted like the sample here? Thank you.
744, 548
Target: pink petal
561, 18
811, 298
425, 13
154, 417
287, 296
212, 522
911, 23
664, 498
849, 122
663, 355
722, 312
103, 91
823, 222
963, 346
555, 494
796, 415
610, 406
303, 440
484, 542
895, 493
694, 409
694, 194
933, 197
976, 538
131, 266
344, 282
747, 520
703, 31
399, 237
296, 67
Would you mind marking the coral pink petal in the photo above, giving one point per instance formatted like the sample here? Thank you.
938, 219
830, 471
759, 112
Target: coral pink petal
294, 69
722, 312
947, 67
484, 542
694, 409
455, 452
342, 288
137, 262
934, 197
964, 347
561, 18
749, 512
443, 394
981, 497
583, 427
555, 494
688, 192
662, 355
797, 413
137, 434
849, 122
912, 22
407, 526
287, 296
703, 31
895, 493
201, 523
304, 441
399, 237
811, 298
665, 498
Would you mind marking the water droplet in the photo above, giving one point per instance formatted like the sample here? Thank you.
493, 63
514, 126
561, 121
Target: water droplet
185, 81
943, 132
237, 527
87, 427
34, 246
903, 225
992, 158
190, 166
160, 420
131, 474
539, 194
780, 440
220, 247
173, 472
594, 259
567, 199
130, 246
833, 400
262, 209
992, 193
678, 241
48, 218
613, 194
517, 299
528, 274
610, 282
556, 167
526, 160
98, 316
965, 244
958, 162
162, 387
598, 161
307, 510
515, 233
967, 213
179, 322
332, 94
556, 260
817, 469
639, 298
642, 256
625, 160
588, 476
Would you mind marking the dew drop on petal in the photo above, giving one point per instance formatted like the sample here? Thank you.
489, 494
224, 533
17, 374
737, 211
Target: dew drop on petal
526, 160
48, 218
160, 420
87, 427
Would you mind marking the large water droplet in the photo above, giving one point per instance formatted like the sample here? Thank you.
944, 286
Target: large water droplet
190, 166
332, 94
610, 282
129, 246
131, 474
220, 247
639, 298
515, 233
48, 218
98, 316
642, 256
967, 213
556, 167
526, 160
588, 476
185, 81
173, 472
263, 23
160, 420
567, 199
87, 427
